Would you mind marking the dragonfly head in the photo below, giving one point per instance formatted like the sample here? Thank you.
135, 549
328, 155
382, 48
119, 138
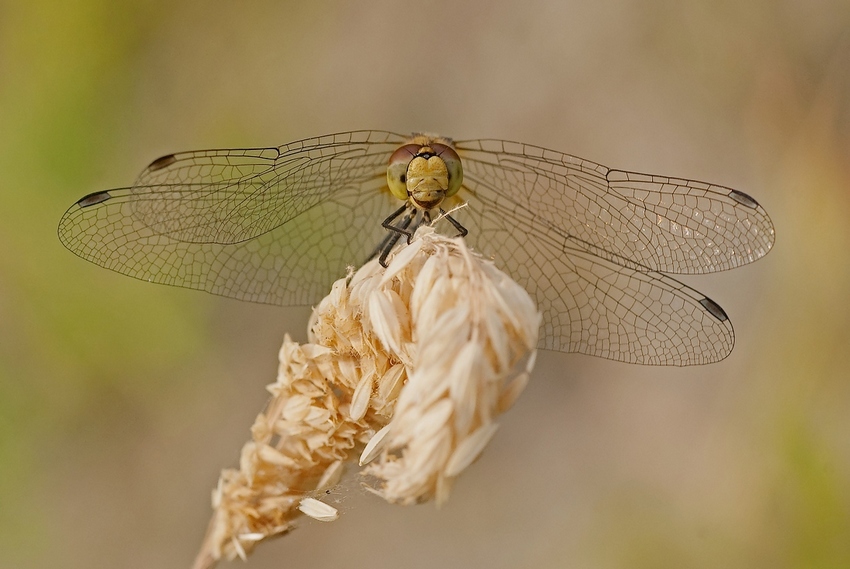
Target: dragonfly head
425, 173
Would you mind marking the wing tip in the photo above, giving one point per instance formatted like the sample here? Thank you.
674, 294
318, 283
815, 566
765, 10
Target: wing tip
714, 309
94, 199
162, 162
744, 199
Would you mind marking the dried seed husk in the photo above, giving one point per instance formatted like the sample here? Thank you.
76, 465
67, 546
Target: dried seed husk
318, 510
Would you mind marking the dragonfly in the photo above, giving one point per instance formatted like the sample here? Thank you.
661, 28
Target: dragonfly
593, 245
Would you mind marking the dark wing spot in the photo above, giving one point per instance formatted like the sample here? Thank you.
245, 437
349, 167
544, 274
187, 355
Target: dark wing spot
714, 309
93, 199
743, 199
161, 163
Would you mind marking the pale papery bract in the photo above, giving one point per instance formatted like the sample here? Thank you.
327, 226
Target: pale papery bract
405, 371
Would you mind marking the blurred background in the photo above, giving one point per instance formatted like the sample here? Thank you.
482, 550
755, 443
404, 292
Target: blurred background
120, 401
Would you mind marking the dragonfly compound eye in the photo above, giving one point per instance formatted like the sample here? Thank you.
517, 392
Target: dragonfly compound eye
397, 169
453, 165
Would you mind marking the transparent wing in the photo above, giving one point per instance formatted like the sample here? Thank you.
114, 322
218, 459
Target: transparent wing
635, 220
593, 306
590, 244
274, 225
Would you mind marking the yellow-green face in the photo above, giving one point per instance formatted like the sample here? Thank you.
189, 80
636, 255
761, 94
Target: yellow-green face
426, 171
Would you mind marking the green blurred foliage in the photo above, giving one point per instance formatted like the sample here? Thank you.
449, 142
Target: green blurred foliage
64, 76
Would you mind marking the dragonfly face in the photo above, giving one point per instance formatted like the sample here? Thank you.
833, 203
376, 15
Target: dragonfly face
595, 246
426, 171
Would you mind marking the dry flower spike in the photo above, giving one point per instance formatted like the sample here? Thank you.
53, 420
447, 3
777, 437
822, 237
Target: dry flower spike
406, 370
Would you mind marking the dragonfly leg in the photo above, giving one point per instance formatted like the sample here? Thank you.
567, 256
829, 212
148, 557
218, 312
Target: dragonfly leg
394, 233
390, 243
462, 231
401, 229
387, 223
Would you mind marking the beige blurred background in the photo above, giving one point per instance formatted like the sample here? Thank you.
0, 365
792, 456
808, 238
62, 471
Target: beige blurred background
120, 401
